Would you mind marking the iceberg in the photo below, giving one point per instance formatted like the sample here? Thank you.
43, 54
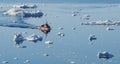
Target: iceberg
23, 13
49, 42
24, 6
104, 55
5, 62
85, 17
107, 22
60, 34
92, 37
18, 39
34, 38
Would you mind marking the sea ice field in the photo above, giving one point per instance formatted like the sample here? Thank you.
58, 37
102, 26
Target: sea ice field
68, 42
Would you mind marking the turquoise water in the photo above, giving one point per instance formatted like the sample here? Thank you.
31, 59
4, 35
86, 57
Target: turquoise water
74, 46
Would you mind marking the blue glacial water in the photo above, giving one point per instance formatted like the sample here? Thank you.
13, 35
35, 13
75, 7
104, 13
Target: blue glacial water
74, 46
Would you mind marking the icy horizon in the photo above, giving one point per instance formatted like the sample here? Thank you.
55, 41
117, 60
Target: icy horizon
59, 1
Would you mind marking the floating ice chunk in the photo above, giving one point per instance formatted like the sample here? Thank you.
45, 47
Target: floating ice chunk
24, 32
45, 54
23, 47
74, 14
37, 13
5, 62
18, 38
14, 12
1, 6
34, 38
48, 42
73, 28
24, 6
15, 58
106, 22
27, 61
60, 28
18, 46
104, 55
92, 37
60, 34
49, 46
23, 13
108, 28
86, 17
72, 62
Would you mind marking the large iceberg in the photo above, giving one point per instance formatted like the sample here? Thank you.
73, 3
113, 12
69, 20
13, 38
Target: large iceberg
23, 13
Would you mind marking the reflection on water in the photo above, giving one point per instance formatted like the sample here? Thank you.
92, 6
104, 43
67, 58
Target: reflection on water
18, 23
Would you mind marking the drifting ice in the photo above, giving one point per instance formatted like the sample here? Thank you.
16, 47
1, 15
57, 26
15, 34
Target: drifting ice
24, 6
18, 38
5, 62
92, 37
107, 22
23, 13
34, 38
48, 42
105, 55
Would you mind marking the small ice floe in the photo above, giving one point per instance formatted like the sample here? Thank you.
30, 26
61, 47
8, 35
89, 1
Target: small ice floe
45, 54
23, 13
5, 62
72, 62
73, 28
60, 28
104, 55
24, 6
74, 14
1, 6
106, 22
27, 61
108, 28
23, 47
15, 58
49, 42
92, 37
86, 17
49, 46
34, 38
45, 28
18, 46
60, 34
18, 39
